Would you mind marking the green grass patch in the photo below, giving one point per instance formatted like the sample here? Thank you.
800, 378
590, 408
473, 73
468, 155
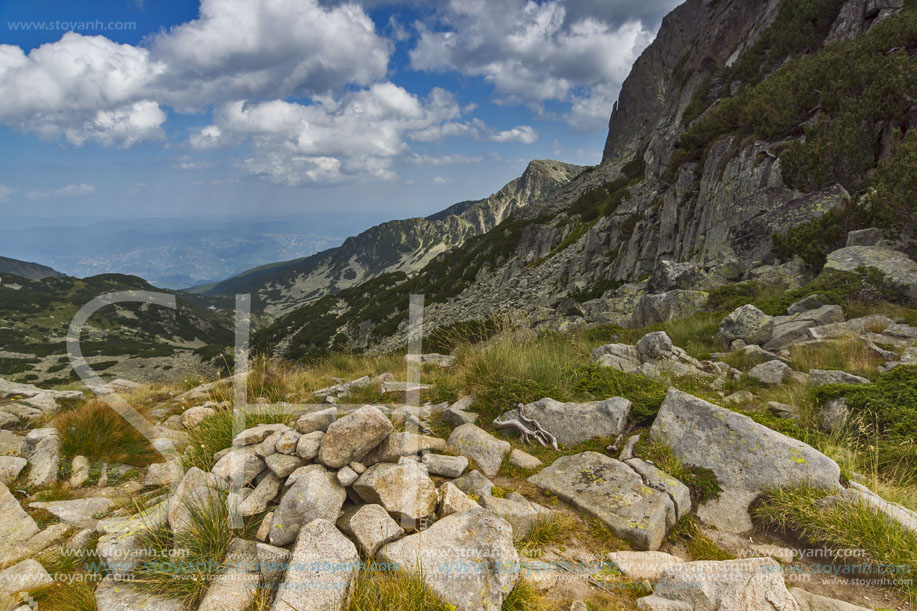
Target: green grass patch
215, 433
96, 431
800, 511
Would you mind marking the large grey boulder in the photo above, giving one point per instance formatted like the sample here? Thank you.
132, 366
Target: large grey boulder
259, 498
353, 436
660, 480
196, 492
309, 444
671, 275
42, 449
447, 466
314, 494
642, 565
813, 602
235, 587
821, 377
397, 445
27, 575
115, 595
17, 526
575, 423
120, 546
240, 466
78, 512
894, 265
746, 457
614, 493
796, 327
404, 490
371, 527
748, 324
257, 434
475, 484
474, 443
10, 468
771, 373
321, 568
477, 539
453, 500
732, 585
671, 305
623, 357
522, 514
316, 421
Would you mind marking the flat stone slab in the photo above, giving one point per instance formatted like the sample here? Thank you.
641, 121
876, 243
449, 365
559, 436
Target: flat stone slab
575, 423
474, 443
642, 565
614, 493
27, 575
79, 512
115, 595
16, 526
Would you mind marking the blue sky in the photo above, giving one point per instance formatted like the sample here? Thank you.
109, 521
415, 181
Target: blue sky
271, 108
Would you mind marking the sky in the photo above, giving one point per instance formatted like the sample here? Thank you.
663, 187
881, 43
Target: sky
361, 110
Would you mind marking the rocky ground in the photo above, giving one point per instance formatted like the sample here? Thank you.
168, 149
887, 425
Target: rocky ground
551, 504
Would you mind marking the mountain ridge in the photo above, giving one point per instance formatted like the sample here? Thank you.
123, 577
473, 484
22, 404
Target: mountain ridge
395, 246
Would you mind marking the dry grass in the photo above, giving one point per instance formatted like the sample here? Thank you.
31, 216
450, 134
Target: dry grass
848, 354
96, 431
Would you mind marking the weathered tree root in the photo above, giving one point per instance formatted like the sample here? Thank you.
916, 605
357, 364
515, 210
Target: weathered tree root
528, 429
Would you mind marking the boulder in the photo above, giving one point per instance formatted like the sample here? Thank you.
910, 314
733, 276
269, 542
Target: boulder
286, 443
371, 527
746, 457
353, 436
282, 465
164, 473
523, 460
239, 467
833, 416
343, 389
457, 416
42, 449
575, 423
27, 575
614, 493
405, 387
17, 526
447, 466
308, 445
521, 514
193, 417
663, 482
314, 494
79, 512
655, 346
438, 360
453, 500
796, 327
821, 377
476, 444
474, 484
258, 500
732, 585
235, 587
308, 583
115, 595
196, 490
316, 421
671, 275
865, 237
272, 563
347, 476
812, 302
813, 602
642, 565
671, 305
476, 543
770, 373
748, 324
404, 490
397, 445
10, 468
623, 357
120, 546
257, 434
896, 266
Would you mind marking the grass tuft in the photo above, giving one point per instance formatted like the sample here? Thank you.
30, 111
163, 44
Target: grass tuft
96, 431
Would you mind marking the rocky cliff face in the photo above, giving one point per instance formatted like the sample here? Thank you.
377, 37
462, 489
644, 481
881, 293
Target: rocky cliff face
396, 246
650, 200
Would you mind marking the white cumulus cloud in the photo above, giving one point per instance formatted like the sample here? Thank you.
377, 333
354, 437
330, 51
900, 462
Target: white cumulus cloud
5, 193
67, 191
533, 52
523, 133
